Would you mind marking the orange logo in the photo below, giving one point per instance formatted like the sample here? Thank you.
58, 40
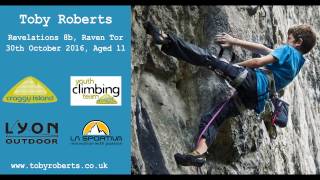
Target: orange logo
96, 128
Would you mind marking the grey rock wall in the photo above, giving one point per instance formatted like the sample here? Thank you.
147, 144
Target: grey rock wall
169, 96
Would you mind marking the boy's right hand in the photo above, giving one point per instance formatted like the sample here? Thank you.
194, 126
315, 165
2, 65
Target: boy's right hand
224, 39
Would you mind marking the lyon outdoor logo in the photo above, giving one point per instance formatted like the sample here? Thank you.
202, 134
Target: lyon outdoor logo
96, 132
31, 133
30, 90
95, 90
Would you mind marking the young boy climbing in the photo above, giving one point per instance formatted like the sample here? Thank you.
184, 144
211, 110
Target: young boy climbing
249, 79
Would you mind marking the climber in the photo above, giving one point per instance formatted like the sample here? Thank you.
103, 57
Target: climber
247, 77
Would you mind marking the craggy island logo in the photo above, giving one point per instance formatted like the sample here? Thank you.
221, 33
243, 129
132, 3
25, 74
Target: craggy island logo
30, 90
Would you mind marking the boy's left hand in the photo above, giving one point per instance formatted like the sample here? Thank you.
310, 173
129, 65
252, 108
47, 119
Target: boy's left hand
224, 39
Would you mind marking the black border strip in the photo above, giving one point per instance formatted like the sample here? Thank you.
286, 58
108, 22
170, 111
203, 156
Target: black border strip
163, 2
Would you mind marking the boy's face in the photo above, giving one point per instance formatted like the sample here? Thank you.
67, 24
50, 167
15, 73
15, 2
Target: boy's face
294, 42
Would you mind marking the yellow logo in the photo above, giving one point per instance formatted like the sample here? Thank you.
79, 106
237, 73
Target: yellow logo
30, 90
96, 128
107, 99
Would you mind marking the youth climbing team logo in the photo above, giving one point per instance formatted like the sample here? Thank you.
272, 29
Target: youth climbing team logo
95, 90
30, 90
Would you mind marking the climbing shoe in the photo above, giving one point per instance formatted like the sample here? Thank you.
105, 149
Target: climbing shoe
191, 159
155, 32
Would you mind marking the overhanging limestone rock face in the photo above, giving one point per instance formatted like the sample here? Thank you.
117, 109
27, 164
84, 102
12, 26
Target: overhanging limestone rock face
169, 96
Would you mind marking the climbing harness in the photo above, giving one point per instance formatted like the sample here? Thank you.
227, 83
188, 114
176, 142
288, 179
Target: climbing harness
279, 108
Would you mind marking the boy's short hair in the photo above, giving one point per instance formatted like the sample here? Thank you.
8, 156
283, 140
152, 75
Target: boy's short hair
306, 33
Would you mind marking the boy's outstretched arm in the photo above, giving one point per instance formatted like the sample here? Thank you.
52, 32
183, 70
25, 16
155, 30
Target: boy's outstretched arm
258, 62
226, 40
